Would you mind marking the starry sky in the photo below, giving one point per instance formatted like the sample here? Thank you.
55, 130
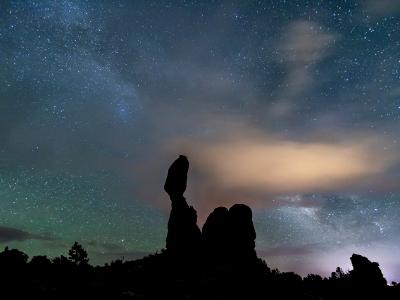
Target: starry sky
291, 107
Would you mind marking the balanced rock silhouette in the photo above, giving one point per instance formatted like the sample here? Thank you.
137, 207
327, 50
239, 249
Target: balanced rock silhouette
226, 234
183, 233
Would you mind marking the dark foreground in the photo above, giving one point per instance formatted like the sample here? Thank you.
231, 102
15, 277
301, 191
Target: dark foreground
163, 276
217, 262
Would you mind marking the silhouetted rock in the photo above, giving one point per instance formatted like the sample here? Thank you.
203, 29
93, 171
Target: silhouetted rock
216, 234
366, 273
175, 184
183, 233
229, 234
243, 234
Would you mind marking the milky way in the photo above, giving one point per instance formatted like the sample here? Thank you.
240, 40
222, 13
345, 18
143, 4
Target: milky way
292, 107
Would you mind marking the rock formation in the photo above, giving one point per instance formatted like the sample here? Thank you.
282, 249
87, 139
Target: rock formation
216, 234
183, 233
366, 273
242, 232
226, 234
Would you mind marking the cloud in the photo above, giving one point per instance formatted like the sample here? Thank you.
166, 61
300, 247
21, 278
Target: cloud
254, 167
305, 43
286, 166
8, 234
382, 7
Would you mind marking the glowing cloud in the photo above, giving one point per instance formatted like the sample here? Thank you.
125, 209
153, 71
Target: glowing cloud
255, 168
285, 166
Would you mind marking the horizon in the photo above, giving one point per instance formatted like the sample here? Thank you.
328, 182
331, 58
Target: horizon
99, 97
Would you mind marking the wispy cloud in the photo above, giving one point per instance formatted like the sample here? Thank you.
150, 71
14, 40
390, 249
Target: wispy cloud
304, 44
9, 234
382, 7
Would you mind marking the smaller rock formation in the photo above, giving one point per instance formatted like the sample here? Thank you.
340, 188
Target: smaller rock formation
229, 234
242, 232
366, 274
216, 235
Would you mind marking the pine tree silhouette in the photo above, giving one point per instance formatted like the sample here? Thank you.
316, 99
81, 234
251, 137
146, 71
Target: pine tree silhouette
78, 255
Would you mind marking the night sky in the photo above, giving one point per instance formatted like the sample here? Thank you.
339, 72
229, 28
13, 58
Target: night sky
291, 107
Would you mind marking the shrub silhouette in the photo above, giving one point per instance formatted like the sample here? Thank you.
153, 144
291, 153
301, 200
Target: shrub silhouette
40, 262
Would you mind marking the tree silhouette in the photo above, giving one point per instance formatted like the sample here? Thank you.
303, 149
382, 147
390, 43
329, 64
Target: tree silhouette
338, 274
12, 258
40, 262
78, 255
